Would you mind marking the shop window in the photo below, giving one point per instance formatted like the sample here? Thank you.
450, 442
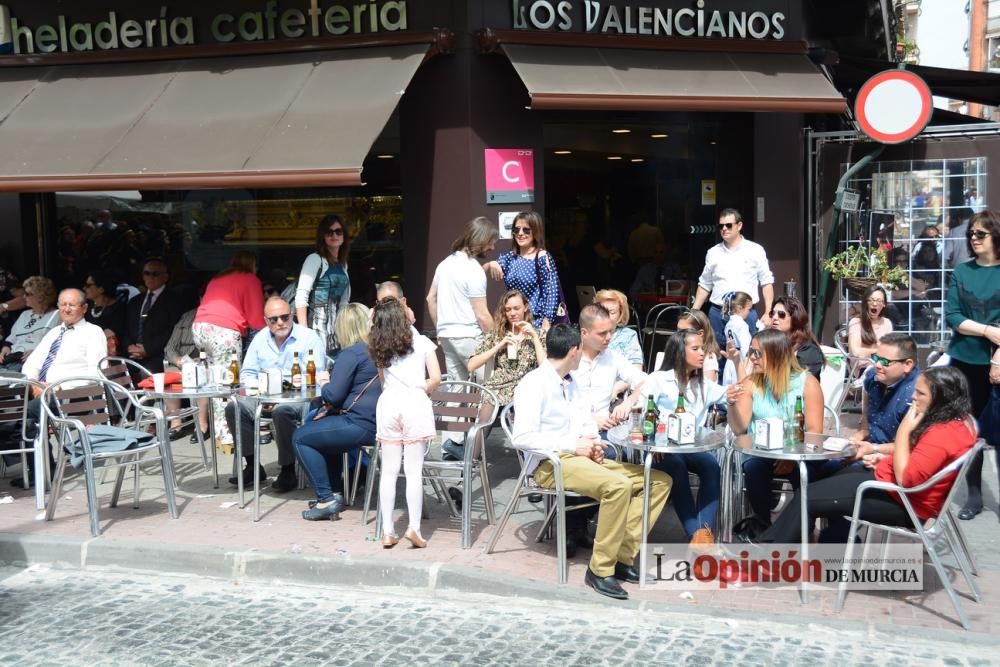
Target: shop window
912, 210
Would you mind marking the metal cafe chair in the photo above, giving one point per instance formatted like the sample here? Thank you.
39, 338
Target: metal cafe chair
15, 393
75, 407
932, 533
121, 371
658, 319
856, 367
555, 497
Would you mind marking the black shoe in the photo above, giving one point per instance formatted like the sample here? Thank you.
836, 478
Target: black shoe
626, 573
248, 476
194, 437
534, 497
286, 480
969, 512
176, 433
265, 438
455, 494
571, 544
330, 512
608, 586
584, 539
18, 482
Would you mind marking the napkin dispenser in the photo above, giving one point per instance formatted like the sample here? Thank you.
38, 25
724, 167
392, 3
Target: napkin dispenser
769, 433
193, 375
270, 381
681, 428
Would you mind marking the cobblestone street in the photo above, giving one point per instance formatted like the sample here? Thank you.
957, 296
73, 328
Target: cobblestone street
50, 617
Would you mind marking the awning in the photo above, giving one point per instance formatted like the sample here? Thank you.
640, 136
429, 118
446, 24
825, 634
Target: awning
565, 77
956, 84
282, 120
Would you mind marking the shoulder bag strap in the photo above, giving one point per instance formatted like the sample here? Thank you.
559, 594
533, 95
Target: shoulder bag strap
360, 394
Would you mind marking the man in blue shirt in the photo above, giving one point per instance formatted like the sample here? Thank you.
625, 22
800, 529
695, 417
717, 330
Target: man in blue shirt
275, 347
888, 391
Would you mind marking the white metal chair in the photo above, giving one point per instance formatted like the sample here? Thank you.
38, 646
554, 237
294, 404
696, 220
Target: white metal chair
657, 320
932, 533
856, 367
525, 485
15, 393
75, 405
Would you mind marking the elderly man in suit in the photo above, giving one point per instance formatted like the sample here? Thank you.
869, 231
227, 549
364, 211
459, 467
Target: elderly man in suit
151, 316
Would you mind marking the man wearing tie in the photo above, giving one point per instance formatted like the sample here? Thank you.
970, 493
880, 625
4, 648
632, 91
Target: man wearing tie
72, 349
151, 317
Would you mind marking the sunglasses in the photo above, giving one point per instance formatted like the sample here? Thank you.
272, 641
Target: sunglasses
279, 318
978, 234
153, 274
780, 314
726, 225
755, 353
522, 230
882, 361
339, 231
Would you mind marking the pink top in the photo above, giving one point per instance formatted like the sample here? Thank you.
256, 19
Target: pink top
234, 301
882, 328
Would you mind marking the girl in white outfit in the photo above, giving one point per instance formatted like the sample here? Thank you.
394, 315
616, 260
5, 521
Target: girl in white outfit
735, 308
404, 420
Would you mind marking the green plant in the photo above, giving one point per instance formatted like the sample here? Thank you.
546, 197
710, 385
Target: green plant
858, 261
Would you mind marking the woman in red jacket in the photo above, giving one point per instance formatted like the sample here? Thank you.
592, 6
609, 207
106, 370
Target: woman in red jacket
937, 430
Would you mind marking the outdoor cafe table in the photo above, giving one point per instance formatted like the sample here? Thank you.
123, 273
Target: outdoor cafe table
209, 391
801, 452
706, 440
302, 396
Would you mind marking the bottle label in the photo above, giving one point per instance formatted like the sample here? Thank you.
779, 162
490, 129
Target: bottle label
227, 376
648, 428
297, 381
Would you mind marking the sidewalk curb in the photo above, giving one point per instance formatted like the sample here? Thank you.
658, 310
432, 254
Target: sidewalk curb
436, 578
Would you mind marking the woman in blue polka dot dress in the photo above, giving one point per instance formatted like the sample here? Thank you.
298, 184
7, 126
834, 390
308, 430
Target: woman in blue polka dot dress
529, 268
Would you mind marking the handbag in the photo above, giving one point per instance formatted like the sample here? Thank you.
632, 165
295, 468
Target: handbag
330, 410
562, 312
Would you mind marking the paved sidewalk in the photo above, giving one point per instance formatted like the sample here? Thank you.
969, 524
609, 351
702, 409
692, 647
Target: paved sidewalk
212, 523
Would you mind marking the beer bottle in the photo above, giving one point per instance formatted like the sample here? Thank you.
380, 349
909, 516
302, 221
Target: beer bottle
310, 370
234, 371
649, 420
800, 421
296, 372
680, 404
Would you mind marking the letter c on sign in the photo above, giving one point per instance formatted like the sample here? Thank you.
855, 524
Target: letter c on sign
506, 165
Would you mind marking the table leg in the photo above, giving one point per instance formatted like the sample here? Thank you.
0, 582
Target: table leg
256, 461
212, 444
726, 500
803, 485
238, 449
41, 454
645, 518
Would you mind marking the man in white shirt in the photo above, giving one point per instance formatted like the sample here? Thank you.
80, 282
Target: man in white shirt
602, 373
551, 416
72, 349
456, 301
734, 265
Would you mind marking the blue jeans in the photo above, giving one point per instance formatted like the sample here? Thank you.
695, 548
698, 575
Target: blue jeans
693, 513
719, 328
319, 446
758, 473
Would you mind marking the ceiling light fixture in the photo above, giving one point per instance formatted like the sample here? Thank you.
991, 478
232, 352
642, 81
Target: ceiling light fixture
658, 136
621, 130
637, 159
385, 156
563, 152
614, 157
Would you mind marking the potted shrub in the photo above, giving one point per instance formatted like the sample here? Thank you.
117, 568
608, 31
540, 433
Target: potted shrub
859, 268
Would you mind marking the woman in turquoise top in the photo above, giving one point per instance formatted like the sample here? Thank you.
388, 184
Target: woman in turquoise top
973, 313
770, 391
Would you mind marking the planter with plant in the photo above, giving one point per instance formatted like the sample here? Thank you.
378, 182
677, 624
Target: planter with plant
859, 268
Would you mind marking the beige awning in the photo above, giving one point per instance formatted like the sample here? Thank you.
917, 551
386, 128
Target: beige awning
294, 119
567, 77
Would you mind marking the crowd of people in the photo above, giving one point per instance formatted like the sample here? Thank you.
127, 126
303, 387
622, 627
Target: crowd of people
568, 384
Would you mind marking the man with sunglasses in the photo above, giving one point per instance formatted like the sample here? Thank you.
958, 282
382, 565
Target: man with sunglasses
275, 347
888, 387
737, 264
150, 317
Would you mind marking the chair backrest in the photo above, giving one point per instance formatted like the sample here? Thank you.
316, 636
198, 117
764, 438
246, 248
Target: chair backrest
830, 412
120, 371
458, 406
634, 323
507, 424
87, 403
840, 341
585, 294
959, 466
14, 397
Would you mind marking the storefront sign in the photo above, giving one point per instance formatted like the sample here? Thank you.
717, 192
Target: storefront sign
271, 20
601, 16
708, 192
510, 175
506, 220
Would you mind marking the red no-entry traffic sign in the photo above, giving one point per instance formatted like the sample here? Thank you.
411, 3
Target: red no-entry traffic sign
893, 106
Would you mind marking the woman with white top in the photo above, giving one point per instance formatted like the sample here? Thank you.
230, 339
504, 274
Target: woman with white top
32, 324
682, 373
324, 286
404, 418
736, 308
698, 320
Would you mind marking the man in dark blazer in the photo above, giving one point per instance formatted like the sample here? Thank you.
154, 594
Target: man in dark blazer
151, 316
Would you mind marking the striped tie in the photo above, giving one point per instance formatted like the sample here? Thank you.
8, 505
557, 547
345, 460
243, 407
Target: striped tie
51, 356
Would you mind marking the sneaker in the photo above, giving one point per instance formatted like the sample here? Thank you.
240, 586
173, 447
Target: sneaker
452, 451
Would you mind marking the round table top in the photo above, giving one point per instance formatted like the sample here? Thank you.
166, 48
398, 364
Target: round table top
810, 450
302, 395
706, 440
204, 391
